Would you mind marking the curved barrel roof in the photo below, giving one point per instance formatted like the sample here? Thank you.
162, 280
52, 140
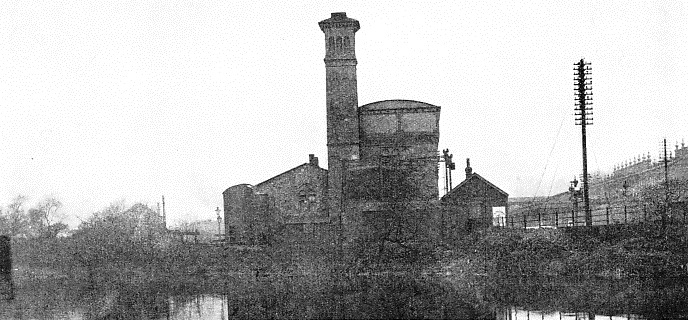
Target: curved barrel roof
397, 104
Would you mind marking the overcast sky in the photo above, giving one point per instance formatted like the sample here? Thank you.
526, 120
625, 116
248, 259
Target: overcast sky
109, 100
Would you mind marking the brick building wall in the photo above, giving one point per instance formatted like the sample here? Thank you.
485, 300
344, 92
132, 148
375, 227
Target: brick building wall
298, 195
374, 152
401, 136
288, 203
472, 202
241, 218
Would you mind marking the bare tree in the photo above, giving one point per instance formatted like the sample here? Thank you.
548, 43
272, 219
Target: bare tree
46, 219
13, 221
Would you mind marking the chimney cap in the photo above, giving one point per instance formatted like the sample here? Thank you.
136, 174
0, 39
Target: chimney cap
339, 20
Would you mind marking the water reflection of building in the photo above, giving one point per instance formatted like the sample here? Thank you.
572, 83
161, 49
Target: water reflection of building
513, 313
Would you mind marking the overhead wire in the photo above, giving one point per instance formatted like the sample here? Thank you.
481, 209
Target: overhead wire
556, 139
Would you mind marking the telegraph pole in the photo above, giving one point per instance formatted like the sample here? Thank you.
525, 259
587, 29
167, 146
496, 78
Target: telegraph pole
666, 183
583, 83
164, 214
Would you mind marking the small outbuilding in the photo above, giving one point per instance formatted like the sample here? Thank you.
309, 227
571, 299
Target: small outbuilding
474, 203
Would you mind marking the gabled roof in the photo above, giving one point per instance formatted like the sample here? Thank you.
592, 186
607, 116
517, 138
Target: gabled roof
291, 170
474, 176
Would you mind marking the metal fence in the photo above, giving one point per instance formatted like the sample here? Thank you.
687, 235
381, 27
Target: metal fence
543, 217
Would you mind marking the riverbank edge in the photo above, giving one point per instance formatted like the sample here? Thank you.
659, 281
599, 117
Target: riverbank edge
636, 251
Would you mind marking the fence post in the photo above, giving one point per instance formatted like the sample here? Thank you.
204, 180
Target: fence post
524, 222
645, 212
539, 219
607, 215
556, 218
573, 217
625, 215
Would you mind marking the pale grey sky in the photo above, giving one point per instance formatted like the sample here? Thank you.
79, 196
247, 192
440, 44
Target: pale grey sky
109, 100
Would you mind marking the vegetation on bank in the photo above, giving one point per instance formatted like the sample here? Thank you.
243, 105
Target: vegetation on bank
620, 251
116, 260
43, 220
118, 241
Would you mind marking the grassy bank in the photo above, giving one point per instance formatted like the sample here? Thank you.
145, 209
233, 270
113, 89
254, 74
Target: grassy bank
633, 251
170, 261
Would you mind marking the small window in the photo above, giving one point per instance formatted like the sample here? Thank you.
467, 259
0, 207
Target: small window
339, 43
312, 201
330, 43
347, 43
303, 202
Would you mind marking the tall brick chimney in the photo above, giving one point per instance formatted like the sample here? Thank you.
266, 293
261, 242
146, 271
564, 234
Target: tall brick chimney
341, 101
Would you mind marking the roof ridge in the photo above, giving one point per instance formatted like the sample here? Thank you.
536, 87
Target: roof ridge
290, 170
474, 174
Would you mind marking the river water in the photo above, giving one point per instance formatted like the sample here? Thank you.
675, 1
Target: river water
380, 296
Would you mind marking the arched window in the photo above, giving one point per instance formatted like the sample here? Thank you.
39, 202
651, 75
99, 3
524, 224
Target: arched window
339, 43
330, 43
347, 43
303, 202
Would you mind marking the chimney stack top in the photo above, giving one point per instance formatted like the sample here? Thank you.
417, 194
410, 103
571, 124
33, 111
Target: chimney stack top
312, 159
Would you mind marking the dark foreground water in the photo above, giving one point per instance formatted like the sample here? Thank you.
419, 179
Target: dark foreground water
379, 296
